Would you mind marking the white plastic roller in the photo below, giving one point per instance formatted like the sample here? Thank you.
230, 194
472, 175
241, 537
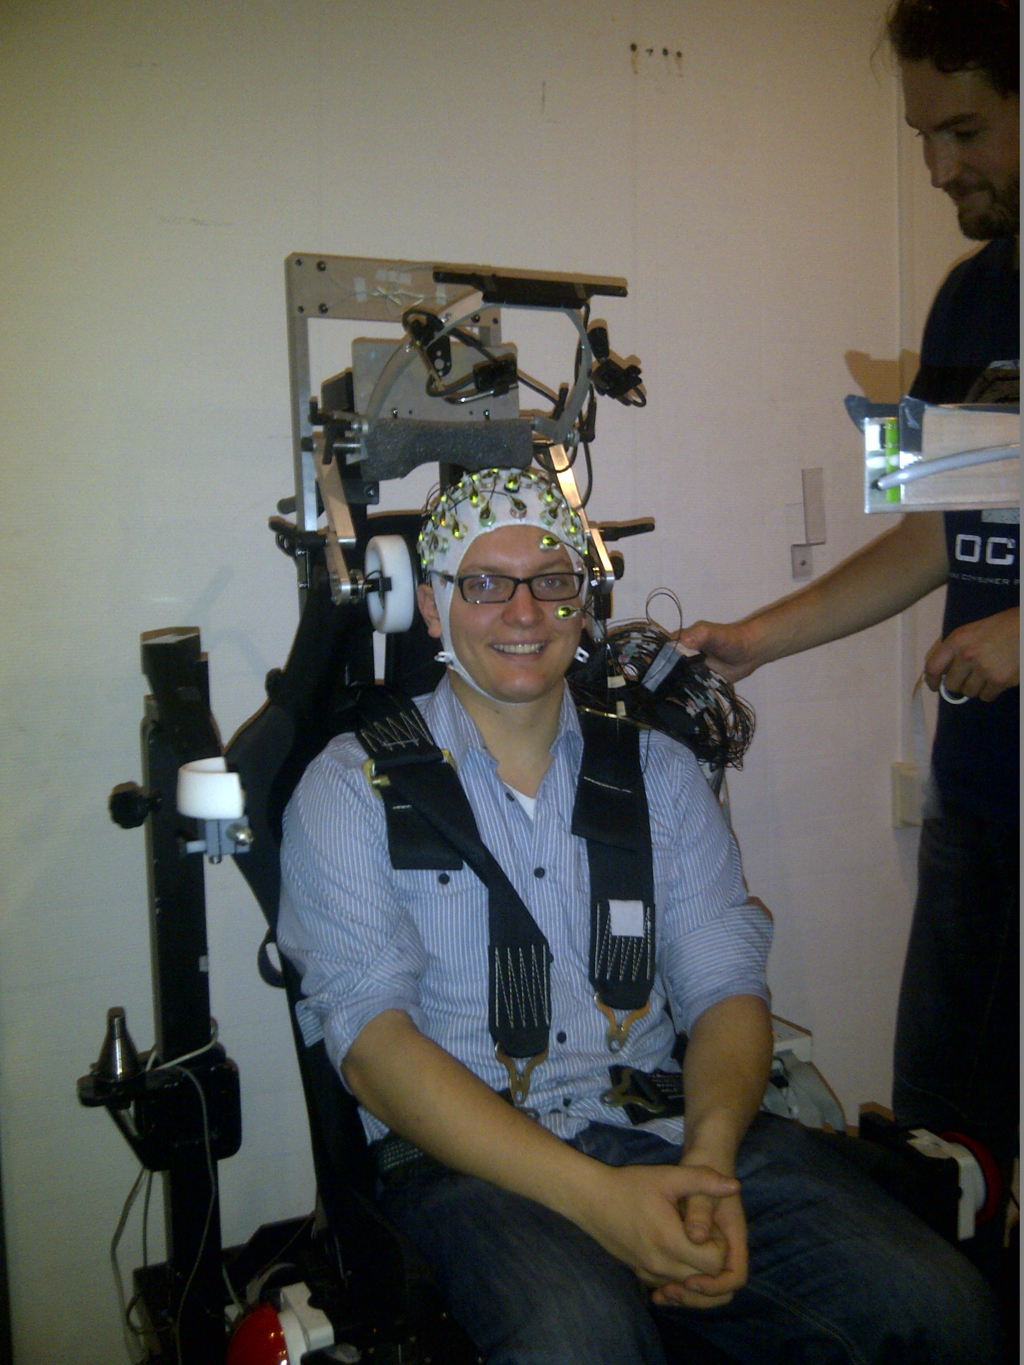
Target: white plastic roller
207, 791
391, 611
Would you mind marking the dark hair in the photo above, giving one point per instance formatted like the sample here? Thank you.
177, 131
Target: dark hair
958, 35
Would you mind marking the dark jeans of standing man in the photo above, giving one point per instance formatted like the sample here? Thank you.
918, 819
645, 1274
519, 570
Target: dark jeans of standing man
957, 1061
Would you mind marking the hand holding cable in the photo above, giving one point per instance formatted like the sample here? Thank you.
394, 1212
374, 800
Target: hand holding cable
980, 659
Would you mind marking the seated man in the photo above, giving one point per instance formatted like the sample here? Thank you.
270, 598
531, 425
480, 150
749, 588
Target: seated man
559, 1230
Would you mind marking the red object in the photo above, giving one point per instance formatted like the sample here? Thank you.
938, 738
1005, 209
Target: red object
258, 1339
989, 1169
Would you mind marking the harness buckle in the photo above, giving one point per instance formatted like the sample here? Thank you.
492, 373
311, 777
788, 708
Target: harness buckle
370, 773
618, 1033
644, 1095
378, 781
518, 1081
633, 1088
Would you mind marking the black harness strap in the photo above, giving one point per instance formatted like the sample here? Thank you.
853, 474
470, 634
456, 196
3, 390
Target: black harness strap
393, 733
611, 814
410, 771
431, 825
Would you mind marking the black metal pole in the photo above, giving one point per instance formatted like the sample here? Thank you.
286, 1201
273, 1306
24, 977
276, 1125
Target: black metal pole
178, 728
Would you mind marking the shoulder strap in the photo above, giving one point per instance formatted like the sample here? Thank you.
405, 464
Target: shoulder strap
394, 734
408, 764
431, 824
611, 813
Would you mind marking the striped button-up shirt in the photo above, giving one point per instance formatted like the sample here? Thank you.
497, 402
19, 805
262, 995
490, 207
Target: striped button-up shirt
368, 938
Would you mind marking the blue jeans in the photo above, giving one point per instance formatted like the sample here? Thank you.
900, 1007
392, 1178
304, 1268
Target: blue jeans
839, 1271
957, 1058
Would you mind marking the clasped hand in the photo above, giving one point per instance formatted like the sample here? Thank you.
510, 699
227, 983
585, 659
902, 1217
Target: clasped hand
681, 1229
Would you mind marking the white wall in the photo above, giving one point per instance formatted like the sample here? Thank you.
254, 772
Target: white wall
159, 161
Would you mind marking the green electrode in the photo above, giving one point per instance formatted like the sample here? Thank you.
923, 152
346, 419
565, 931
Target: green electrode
891, 450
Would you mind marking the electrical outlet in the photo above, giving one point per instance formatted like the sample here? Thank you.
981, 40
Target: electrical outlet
803, 563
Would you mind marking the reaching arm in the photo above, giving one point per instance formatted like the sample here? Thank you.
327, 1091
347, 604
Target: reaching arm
725, 1071
423, 1093
885, 577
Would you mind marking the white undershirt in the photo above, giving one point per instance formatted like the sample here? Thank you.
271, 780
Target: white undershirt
528, 803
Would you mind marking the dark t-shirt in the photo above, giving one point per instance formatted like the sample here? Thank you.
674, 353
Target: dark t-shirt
974, 324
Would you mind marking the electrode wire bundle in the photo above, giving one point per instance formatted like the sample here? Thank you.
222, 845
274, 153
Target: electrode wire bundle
640, 671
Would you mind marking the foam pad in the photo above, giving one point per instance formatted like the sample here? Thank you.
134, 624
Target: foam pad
396, 446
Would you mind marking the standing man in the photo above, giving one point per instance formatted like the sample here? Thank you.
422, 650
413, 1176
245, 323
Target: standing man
957, 1053
560, 1228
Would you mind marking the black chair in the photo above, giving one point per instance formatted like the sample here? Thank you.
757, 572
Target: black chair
387, 1286
310, 700
371, 1282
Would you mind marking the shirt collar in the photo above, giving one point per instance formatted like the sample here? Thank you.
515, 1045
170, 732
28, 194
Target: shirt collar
453, 729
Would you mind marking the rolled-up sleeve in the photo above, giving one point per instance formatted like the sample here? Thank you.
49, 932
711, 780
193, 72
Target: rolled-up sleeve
714, 940
341, 920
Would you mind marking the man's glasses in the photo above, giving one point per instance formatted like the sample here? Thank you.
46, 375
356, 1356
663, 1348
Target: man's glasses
486, 588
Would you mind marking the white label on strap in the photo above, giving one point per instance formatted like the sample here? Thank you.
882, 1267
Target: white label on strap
627, 918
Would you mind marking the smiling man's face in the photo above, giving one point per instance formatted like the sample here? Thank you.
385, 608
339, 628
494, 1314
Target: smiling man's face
516, 651
971, 138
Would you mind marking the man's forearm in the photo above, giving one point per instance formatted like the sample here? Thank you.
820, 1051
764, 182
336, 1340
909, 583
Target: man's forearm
725, 1071
871, 585
426, 1095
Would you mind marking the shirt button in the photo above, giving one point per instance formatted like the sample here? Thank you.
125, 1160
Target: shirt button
444, 879
538, 872
561, 1036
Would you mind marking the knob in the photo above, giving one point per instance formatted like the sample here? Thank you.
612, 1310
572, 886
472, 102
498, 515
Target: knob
129, 805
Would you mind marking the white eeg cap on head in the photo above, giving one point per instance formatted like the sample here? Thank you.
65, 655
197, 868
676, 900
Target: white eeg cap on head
482, 502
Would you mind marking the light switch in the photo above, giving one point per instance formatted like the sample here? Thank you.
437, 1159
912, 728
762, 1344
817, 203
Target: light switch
814, 505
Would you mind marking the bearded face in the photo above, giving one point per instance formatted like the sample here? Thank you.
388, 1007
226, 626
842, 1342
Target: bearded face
970, 134
986, 210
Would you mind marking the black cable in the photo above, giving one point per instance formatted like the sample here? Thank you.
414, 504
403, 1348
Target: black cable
536, 386
682, 696
127, 1326
144, 1175
272, 1263
467, 339
145, 1222
585, 497
212, 1170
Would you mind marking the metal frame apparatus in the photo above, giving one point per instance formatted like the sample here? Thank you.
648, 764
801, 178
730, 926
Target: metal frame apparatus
446, 391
